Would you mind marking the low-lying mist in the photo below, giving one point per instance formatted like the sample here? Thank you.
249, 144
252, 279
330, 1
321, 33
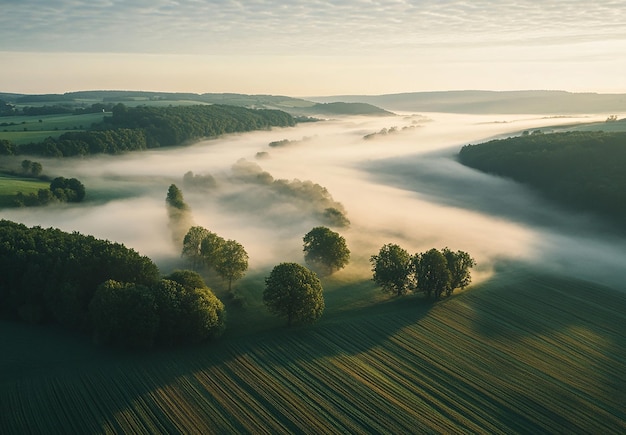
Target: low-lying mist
401, 184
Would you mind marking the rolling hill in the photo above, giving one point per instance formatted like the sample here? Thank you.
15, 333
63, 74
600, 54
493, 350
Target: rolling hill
485, 102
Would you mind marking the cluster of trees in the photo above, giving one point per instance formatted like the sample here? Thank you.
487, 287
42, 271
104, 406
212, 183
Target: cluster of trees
292, 291
171, 126
118, 296
177, 309
199, 181
81, 143
138, 128
7, 148
61, 190
102, 288
31, 168
310, 195
435, 273
203, 248
582, 170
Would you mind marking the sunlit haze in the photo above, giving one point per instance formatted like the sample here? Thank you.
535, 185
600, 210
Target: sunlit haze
406, 188
305, 48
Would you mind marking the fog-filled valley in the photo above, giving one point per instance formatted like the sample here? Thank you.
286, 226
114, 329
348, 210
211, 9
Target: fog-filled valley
374, 180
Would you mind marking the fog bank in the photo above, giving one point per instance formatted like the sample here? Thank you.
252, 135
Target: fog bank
402, 187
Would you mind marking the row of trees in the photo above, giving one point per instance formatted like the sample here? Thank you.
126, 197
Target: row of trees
81, 143
138, 128
583, 170
7, 109
102, 288
435, 273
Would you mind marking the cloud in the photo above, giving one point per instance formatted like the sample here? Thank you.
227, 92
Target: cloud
266, 26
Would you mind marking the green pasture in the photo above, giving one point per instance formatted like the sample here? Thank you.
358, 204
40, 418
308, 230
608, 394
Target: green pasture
524, 352
10, 186
37, 128
615, 126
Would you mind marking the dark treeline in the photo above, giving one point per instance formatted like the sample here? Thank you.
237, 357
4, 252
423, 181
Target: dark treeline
170, 126
583, 170
102, 288
138, 128
82, 143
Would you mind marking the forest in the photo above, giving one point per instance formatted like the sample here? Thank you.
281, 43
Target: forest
143, 127
101, 288
580, 170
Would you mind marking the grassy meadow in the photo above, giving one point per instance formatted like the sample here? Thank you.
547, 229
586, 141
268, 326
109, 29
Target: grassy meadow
524, 352
28, 129
10, 186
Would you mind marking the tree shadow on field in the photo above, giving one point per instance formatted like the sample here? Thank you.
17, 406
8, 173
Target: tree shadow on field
524, 300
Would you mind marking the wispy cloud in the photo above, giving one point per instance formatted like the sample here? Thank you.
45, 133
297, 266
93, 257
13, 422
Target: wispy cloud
313, 26
323, 46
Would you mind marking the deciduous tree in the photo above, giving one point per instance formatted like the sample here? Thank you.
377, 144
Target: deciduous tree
459, 265
294, 292
192, 246
233, 261
392, 269
431, 273
325, 250
175, 198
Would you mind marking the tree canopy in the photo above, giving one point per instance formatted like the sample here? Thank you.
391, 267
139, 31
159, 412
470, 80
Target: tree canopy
49, 275
294, 292
228, 258
232, 263
175, 198
392, 269
432, 272
103, 288
325, 250
459, 264
142, 127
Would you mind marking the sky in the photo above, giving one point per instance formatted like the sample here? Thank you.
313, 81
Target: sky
312, 47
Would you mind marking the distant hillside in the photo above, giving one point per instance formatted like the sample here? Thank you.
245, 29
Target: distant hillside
340, 108
484, 102
474, 102
294, 106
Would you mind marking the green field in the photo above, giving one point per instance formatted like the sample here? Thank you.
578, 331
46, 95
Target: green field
524, 352
30, 129
10, 186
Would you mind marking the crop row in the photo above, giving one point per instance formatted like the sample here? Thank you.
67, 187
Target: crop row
531, 354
